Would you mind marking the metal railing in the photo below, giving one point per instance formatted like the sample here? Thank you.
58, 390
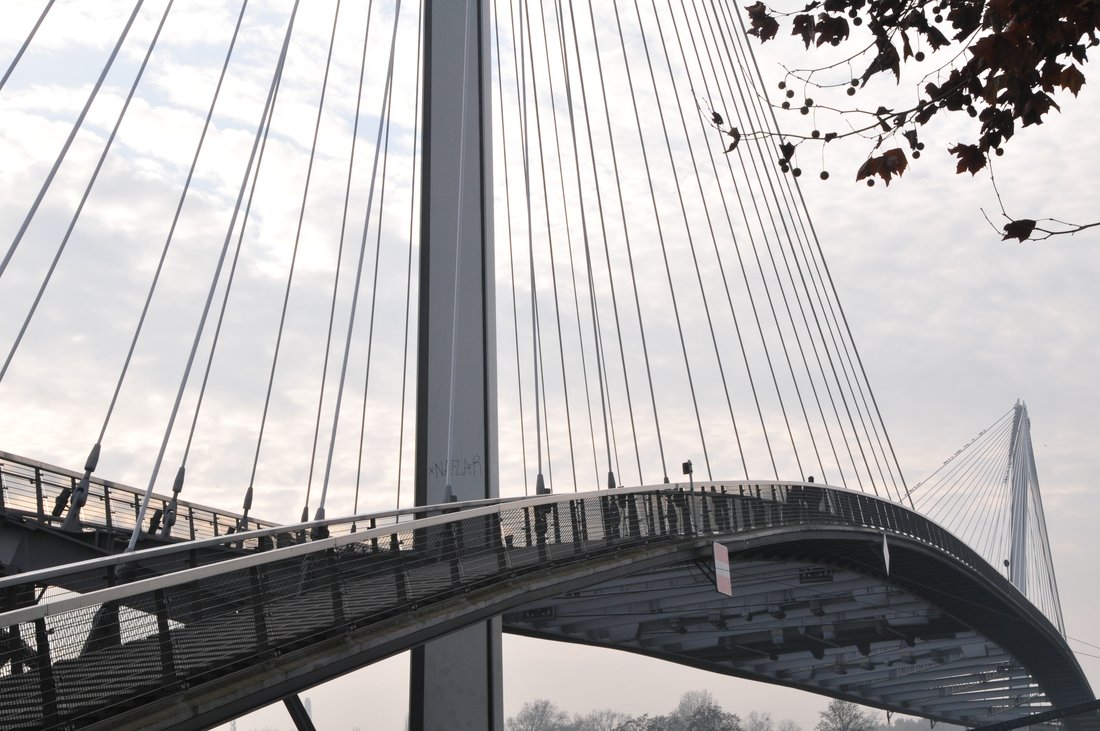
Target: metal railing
32, 489
39, 492
122, 568
75, 660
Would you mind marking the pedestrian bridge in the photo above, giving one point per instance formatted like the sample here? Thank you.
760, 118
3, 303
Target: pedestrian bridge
196, 633
834, 591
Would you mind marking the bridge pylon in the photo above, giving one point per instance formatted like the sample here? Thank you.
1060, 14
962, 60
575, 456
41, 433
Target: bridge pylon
1029, 560
456, 681
1021, 465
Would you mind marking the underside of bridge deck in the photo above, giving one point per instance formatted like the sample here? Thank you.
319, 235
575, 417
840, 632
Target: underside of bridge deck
815, 610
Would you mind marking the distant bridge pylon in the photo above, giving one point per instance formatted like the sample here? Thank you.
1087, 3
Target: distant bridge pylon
987, 493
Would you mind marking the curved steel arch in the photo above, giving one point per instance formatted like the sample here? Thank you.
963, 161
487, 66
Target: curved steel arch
192, 647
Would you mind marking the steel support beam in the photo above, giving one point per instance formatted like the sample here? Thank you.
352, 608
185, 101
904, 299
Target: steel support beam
456, 681
298, 713
1078, 709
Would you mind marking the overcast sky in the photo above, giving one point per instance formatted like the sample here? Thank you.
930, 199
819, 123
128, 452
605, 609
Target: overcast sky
952, 324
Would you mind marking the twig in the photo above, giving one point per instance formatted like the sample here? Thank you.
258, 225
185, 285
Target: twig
1068, 228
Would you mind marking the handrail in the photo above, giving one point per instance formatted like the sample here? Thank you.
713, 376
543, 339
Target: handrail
230, 540
47, 467
42, 576
446, 513
110, 506
266, 539
49, 608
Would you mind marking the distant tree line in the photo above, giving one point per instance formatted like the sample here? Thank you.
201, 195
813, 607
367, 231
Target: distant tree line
698, 710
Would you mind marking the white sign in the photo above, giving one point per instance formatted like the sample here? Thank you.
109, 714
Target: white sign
885, 553
722, 569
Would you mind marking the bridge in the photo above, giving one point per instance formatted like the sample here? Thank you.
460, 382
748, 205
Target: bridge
665, 295
161, 639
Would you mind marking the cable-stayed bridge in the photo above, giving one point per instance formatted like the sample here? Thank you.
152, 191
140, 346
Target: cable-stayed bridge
194, 633
252, 198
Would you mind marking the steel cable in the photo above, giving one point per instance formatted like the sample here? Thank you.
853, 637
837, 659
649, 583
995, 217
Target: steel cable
744, 274
170, 512
172, 228
756, 158
760, 162
733, 236
836, 298
559, 154
951, 495
320, 513
339, 263
536, 357
511, 249
413, 199
794, 212
27, 43
388, 114
768, 295
980, 505
683, 211
213, 284
937, 492
661, 240
951, 460
628, 247
87, 189
294, 251
593, 302
69, 140
266, 124
607, 257
542, 157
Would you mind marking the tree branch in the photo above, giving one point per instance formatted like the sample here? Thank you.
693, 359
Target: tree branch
1026, 229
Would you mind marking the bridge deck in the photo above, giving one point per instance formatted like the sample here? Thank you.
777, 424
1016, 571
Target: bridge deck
200, 645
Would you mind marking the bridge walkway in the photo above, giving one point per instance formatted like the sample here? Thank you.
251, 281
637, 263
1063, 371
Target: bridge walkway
201, 645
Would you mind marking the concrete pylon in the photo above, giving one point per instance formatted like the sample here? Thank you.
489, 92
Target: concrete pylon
456, 681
